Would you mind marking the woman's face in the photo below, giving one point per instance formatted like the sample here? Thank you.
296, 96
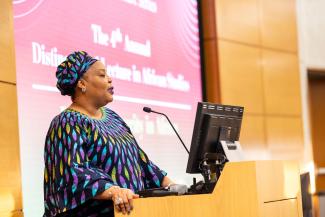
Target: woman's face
99, 88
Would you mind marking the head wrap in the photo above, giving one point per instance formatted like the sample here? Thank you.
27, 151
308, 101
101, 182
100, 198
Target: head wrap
71, 70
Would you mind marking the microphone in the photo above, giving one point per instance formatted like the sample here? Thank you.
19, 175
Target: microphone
180, 189
149, 110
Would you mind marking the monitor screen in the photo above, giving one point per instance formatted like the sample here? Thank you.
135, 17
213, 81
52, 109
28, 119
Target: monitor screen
214, 124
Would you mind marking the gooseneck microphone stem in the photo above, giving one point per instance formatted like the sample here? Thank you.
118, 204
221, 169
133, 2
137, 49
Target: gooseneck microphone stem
148, 110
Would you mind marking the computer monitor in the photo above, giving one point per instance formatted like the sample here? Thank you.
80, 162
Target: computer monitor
216, 133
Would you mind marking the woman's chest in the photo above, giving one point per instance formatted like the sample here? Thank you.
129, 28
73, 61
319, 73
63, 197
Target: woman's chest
112, 143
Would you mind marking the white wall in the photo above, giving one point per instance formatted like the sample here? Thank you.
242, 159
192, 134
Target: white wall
311, 23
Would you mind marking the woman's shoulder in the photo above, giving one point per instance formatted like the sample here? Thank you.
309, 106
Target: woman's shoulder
69, 118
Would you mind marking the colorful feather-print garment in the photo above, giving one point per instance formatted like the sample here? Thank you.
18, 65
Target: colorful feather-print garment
84, 157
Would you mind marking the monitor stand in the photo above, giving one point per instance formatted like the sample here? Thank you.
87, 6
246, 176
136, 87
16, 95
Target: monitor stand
213, 164
211, 168
232, 150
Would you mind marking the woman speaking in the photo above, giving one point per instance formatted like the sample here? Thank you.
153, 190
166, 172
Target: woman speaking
92, 160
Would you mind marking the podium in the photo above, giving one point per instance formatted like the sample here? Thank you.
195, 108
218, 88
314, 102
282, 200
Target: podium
244, 189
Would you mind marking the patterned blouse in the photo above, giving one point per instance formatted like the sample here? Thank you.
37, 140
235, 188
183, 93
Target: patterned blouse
84, 157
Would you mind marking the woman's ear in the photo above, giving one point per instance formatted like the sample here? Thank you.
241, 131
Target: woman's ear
81, 83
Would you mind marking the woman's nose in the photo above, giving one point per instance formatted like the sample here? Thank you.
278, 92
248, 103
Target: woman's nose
109, 79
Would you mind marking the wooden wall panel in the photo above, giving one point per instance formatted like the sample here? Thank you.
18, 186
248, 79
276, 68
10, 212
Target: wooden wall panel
278, 24
7, 53
210, 48
211, 71
12, 214
10, 182
208, 19
259, 69
317, 116
284, 133
238, 20
241, 76
320, 183
281, 83
252, 135
10, 186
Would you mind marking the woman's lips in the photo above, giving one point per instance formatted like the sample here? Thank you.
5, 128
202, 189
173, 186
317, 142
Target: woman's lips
111, 90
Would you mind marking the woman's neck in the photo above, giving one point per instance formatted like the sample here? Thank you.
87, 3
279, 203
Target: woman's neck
86, 108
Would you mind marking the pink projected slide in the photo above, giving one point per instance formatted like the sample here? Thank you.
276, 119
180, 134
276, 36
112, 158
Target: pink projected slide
150, 49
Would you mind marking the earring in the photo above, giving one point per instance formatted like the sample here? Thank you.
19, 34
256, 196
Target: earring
83, 89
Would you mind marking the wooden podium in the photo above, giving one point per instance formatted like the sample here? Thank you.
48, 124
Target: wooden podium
244, 189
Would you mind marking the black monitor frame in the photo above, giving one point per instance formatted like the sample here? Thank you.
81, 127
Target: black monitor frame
213, 123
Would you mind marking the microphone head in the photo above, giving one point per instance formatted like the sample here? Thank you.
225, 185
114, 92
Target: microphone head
147, 109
